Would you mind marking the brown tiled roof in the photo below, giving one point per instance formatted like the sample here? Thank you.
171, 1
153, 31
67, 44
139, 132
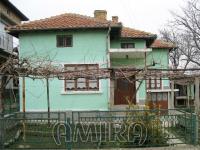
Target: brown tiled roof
133, 33
73, 21
64, 21
162, 44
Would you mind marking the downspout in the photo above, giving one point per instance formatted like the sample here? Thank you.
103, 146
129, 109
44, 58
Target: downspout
108, 63
108, 46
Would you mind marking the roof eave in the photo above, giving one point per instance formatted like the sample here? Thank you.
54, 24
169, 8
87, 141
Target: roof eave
19, 13
140, 37
16, 32
170, 48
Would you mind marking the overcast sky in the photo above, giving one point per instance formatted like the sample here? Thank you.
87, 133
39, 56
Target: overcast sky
147, 15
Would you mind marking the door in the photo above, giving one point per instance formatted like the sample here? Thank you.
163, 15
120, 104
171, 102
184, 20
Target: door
124, 91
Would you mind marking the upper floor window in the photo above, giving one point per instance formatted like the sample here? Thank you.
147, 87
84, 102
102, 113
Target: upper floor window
154, 83
127, 45
8, 12
64, 41
82, 84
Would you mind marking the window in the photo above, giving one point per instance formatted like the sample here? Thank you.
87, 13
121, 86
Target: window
64, 41
155, 97
8, 12
127, 45
182, 90
82, 84
153, 83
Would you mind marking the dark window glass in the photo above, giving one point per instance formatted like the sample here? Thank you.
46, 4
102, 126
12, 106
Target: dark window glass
64, 41
127, 45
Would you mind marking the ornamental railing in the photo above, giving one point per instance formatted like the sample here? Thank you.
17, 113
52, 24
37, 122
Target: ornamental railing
98, 129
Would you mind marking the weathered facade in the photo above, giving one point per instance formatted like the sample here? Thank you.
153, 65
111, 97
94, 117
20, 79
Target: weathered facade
79, 42
9, 15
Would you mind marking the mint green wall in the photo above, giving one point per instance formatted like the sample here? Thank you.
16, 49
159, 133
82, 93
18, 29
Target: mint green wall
160, 56
88, 47
139, 43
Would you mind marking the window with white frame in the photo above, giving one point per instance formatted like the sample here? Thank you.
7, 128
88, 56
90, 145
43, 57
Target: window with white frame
154, 83
160, 96
82, 84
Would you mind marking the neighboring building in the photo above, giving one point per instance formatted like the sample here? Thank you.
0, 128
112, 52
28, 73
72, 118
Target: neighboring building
184, 97
82, 42
9, 15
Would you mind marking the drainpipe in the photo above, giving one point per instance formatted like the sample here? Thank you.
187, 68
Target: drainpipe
108, 64
108, 46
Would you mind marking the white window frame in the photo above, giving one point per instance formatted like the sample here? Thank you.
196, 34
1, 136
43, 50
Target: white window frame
64, 92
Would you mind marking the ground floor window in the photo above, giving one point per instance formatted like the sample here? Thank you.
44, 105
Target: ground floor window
159, 100
159, 96
82, 84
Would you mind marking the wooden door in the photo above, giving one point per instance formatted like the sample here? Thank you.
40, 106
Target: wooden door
124, 90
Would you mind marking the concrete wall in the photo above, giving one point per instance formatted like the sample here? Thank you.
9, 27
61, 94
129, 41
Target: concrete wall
89, 47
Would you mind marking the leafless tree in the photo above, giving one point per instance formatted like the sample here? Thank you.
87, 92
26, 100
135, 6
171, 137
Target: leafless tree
184, 30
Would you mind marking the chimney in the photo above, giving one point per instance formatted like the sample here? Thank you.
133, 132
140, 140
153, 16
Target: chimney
100, 14
115, 19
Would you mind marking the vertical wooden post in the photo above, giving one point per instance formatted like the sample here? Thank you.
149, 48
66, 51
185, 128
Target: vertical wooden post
145, 61
145, 67
188, 95
197, 96
197, 107
48, 102
172, 95
23, 95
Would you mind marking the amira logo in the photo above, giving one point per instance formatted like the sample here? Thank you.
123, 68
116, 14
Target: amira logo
102, 132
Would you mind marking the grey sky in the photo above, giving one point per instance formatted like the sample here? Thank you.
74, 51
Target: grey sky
147, 15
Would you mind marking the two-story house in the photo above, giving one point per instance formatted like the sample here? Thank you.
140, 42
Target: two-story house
80, 42
9, 15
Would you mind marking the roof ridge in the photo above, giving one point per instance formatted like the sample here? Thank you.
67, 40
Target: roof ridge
75, 21
69, 14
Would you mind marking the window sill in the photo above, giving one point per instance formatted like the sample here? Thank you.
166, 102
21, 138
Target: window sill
80, 92
162, 90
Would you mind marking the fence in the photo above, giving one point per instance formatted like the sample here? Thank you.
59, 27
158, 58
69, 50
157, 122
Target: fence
98, 129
